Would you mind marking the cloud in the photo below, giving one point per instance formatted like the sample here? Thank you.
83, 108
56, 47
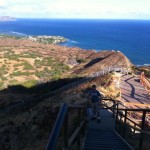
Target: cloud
75, 8
2, 4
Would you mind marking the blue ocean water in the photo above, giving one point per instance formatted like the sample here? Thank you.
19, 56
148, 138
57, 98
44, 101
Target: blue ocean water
132, 37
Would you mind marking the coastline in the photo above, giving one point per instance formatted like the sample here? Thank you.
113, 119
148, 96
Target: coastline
110, 36
41, 39
57, 40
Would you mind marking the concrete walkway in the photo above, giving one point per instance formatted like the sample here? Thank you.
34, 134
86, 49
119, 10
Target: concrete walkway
133, 91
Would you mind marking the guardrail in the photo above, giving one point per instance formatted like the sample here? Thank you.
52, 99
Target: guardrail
122, 118
145, 82
62, 124
110, 69
66, 87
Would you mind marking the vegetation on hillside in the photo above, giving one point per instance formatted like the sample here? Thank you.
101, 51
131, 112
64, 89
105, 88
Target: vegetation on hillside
34, 75
30, 65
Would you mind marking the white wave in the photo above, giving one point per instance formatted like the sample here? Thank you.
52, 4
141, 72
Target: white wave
18, 33
146, 64
143, 65
139, 65
73, 41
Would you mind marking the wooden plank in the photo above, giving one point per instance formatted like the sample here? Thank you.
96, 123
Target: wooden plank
76, 132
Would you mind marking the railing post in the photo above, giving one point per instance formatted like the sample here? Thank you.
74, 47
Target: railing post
83, 117
114, 104
133, 130
124, 128
65, 133
116, 116
142, 127
79, 121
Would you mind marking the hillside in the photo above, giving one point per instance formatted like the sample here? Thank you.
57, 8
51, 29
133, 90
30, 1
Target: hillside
28, 63
29, 70
24, 60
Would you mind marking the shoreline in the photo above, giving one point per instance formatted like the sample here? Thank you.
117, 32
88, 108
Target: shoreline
40, 38
58, 40
90, 36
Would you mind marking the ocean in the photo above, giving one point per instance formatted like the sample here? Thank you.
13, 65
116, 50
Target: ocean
132, 37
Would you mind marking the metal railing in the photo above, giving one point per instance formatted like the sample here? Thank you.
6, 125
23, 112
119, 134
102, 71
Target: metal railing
62, 124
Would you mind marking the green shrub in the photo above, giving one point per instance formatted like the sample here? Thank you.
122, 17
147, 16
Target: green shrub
5, 49
147, 73
1, 84
15, 69
13, 82
3, 78
27, 66
19, 73
2, 70
29, 55
56, 77
43, 74
11, 56
17, 65
81, 60
40, 74
45, 62
30, 83
47, 70
60, 67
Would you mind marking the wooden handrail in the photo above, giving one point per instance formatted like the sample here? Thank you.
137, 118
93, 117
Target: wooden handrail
137, 129
129, 119
76, 132
57, 128
141, 128
145, 82
62, 124
129, 109
67, 141
137, 104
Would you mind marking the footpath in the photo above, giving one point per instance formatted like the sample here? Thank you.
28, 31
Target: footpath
132, 91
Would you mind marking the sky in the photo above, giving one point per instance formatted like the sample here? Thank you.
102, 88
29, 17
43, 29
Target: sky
92, 9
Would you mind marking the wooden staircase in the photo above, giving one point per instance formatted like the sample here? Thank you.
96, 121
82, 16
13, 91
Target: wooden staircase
102, 136
104, 140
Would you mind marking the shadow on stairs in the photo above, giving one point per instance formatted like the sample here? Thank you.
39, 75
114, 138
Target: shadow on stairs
102, 136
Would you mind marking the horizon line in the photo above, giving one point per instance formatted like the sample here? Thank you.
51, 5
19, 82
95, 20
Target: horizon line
85, 18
